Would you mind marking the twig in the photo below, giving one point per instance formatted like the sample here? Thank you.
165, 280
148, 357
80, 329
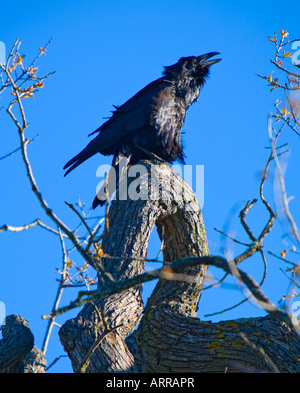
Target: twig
287, 121
284, 69
242, 301
36, 222
177, 267
80, 217
231, 238
273, 215
292, 110
58, 296
243, 218
228, 308
282, 259
55, 361
19, 228
282, 185
18, 148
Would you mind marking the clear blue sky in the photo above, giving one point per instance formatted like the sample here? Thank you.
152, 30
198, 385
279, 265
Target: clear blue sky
103, 52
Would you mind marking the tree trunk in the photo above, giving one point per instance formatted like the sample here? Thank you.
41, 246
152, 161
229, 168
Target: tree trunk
17, 351
170, 337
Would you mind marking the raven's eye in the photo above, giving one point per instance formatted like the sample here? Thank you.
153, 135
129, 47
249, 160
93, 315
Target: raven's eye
194, 60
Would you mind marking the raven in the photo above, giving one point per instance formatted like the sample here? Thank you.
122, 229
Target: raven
149, 124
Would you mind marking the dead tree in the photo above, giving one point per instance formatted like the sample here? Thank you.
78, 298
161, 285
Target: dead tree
118, 334
115, 332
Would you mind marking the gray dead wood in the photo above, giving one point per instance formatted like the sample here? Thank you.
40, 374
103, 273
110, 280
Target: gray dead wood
169, 336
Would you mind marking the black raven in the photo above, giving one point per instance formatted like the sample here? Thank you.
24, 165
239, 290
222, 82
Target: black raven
150, 123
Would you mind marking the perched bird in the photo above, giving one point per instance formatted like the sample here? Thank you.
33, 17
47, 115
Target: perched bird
149, 124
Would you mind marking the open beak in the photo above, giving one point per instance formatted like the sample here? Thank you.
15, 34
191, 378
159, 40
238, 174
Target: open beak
203, 58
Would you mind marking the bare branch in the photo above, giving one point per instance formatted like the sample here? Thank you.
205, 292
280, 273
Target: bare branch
18, 148
58, 296
177, 266
243, 218
80, 217
19, 228
282, 185
231, 238
284, 69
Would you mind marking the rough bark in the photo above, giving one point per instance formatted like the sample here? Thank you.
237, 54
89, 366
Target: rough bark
170, 342
170, 337
17, 351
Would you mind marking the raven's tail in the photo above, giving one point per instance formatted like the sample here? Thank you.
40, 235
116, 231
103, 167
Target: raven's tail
86, 153
116, 175
98, 201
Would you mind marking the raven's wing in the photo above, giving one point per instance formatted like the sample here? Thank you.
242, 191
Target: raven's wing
131, 116
126, 119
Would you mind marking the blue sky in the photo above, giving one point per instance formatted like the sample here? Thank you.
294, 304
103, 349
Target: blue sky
103, 52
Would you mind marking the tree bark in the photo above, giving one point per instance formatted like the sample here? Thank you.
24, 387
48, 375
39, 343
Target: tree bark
170, 337
17, 351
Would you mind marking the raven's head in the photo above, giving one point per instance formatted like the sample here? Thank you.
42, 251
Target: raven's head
192, 67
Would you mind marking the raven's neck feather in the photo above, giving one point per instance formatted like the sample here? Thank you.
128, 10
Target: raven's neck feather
189, 89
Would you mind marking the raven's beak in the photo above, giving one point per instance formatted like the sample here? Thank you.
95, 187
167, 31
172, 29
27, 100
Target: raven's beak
207, 56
